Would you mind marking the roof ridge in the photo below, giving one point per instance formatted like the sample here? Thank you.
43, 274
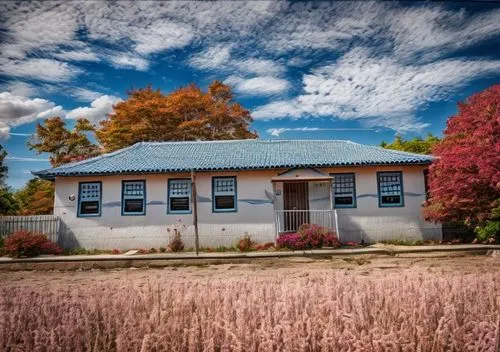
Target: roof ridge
249, 140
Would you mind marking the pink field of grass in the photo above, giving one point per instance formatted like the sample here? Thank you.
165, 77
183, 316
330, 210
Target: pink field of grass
272, 310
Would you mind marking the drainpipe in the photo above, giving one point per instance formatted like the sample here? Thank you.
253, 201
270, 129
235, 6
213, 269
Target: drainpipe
195, 211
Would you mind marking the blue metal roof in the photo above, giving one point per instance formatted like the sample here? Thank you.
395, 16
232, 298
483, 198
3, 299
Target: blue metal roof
159, 157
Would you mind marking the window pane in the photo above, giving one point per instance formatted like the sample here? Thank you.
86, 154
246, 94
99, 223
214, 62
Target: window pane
87, 208
343, 200
391, 199
133, 189
179, 204
134, 206
224, 185
224, 202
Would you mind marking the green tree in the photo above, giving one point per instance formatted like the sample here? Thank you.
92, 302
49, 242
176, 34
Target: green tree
62, 144
3, 167
8, 204
416, 145
187, 113
36, 197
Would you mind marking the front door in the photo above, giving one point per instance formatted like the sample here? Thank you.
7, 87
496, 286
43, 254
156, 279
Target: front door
296, 205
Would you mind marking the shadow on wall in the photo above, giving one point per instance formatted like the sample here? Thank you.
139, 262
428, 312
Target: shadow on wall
374, 228
66, 238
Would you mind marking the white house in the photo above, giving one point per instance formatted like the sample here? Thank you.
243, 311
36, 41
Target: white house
137, 196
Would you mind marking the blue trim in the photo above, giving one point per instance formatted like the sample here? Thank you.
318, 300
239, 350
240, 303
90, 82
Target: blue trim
143, 199
190, 197
401, 204
78, 215
233, 210
354, 202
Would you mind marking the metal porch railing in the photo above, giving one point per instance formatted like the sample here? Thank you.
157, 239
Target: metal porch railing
291, 220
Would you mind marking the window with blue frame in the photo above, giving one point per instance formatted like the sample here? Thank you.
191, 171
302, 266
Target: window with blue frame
344, 190
224, 194
134, 197
179, 196
390, 189
89, 199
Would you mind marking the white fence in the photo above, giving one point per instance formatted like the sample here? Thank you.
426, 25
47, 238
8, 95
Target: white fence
46, 224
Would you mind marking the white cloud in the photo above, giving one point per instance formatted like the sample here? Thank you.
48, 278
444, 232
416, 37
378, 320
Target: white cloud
129, 61
20, 88
17, 110
97, 110
278, 131
85, 54
84, 94
39, 69
24, 159
211, 58
162, 35
431, 32
377, 91
264, 85
259, 66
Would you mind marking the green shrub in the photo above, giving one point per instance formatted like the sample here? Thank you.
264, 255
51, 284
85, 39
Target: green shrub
163, 249
488, 231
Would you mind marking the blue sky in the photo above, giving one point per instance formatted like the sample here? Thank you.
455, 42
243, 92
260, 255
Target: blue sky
359, 71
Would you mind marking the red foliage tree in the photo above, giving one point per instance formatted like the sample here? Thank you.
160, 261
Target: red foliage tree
465, 180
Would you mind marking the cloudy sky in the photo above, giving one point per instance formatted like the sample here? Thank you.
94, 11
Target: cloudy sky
359, 71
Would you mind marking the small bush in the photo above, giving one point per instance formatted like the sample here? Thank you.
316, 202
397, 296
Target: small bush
264, 246
163, 249
488, 231
309, 236
222, 249
29, 244
245, 243
152, 250
1, 245
176, 244
116, 251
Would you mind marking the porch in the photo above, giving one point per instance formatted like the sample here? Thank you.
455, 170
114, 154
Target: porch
303, 196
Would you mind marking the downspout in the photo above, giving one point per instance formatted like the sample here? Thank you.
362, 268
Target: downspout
195, 212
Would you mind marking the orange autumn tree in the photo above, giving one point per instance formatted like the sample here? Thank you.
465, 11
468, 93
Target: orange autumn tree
186, 114
64, 145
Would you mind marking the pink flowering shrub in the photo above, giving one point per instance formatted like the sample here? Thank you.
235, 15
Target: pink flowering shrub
309, 236
29, 244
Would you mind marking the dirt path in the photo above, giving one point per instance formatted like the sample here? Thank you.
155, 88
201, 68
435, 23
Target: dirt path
360, 265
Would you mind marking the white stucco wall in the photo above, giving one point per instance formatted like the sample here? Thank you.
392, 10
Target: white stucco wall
255, 214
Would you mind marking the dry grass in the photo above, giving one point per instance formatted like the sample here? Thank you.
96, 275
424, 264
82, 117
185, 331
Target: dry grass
395, 305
